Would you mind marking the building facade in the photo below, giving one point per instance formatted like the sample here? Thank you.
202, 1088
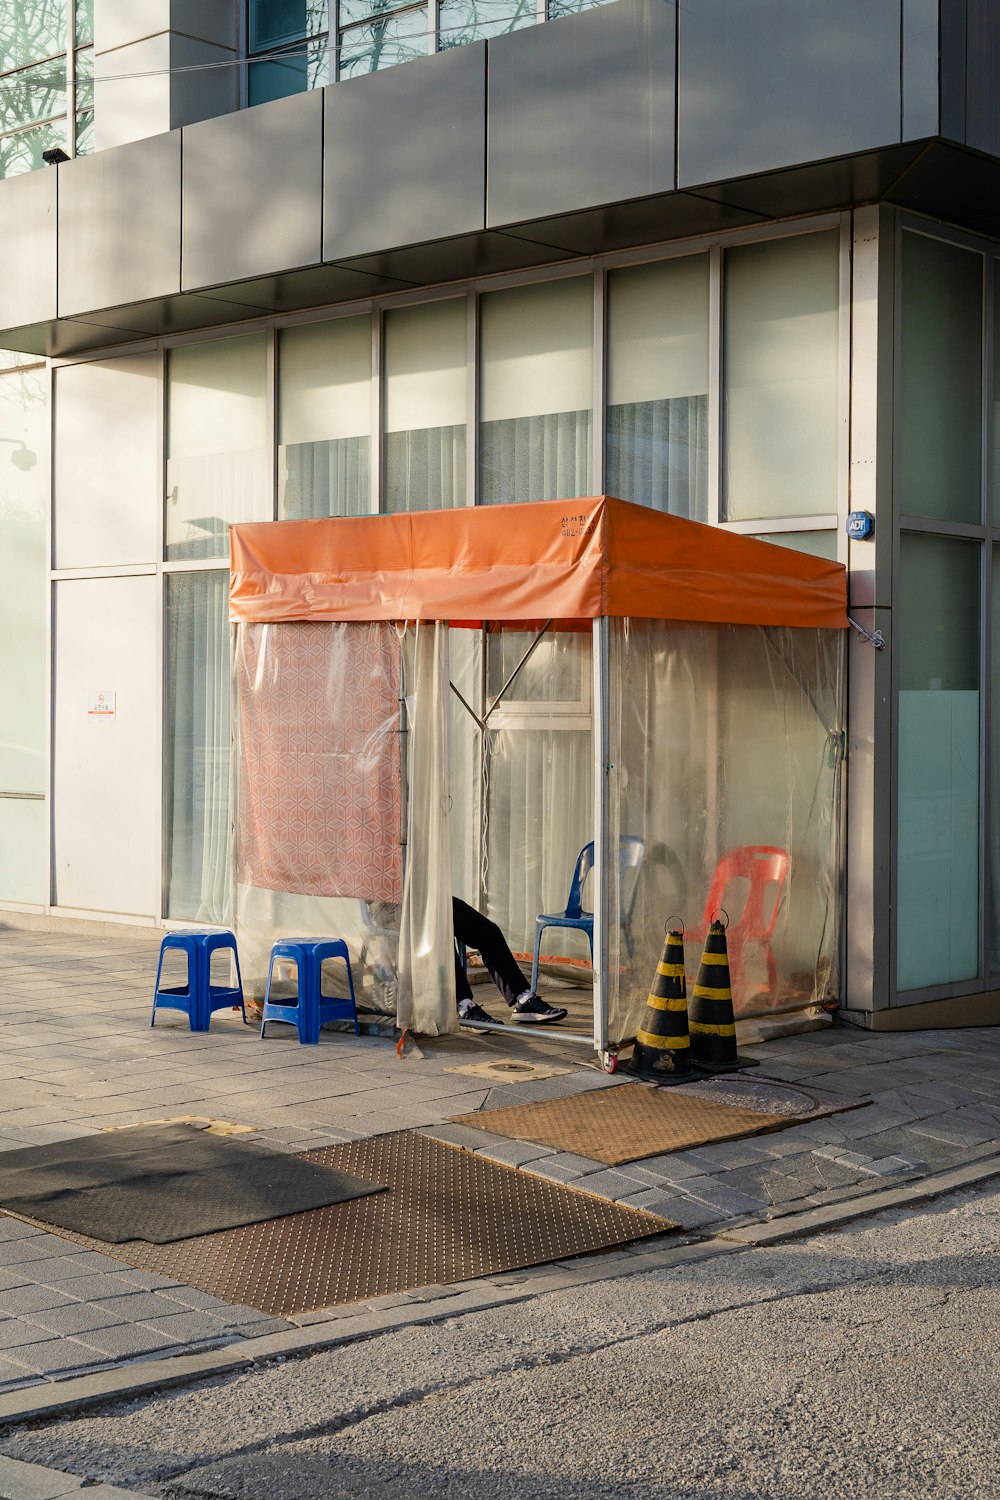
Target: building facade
735, 260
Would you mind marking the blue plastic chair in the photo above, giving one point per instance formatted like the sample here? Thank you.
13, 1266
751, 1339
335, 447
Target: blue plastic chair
199, 997
313, 1009
631, 851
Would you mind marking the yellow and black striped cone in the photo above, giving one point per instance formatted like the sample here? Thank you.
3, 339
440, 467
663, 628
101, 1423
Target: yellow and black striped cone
712, 1024
662, 1045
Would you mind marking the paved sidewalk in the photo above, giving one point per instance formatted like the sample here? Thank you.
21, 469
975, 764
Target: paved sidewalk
78, 1056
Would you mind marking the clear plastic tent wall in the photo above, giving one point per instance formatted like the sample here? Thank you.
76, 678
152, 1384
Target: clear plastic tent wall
327, 715
723, 739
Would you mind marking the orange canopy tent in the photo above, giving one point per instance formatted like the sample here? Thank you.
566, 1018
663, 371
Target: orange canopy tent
710, 715
560, 560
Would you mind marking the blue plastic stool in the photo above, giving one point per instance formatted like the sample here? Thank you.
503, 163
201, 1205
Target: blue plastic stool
199, 997
313, 1009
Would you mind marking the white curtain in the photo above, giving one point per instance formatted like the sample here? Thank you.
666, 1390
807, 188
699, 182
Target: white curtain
198, 748
328, 478
535, 458
657, 455
426, 1001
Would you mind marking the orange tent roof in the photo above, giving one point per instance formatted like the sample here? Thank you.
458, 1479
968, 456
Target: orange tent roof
564, 560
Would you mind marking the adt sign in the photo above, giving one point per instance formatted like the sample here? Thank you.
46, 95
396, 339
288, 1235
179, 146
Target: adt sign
860, 525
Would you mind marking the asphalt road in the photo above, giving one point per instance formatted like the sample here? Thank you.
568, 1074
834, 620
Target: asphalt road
860, 1363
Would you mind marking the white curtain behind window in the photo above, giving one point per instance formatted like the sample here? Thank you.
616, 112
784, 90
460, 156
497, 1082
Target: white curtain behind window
198, 745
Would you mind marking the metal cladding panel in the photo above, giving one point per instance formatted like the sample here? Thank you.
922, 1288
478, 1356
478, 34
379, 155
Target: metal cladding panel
581, 111
405, 154
778, 82
982, 110
920, 69
251, 188
120, 226
27, 249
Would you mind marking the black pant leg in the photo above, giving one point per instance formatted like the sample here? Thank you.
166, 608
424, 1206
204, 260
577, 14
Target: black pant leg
477, 931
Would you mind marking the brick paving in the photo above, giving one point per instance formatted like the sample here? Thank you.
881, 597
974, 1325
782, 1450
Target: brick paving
78, 1056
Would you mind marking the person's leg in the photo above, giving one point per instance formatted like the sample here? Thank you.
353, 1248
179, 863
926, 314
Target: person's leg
477, 931
463, 989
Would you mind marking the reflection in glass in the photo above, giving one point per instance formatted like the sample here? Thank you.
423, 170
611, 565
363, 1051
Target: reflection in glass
938, 815
84, 27
941, 382
31, 31
536, 384
290, 72
781, 378
218, 470
275, 23
657, 435
23, 152
85, 134
85, 79
324, 419
559, 8
197, 745
33, 94
461, 21
379, 36
426, 367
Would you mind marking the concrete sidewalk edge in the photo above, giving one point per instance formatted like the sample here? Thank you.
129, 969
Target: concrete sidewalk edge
343, 1326
21, 1481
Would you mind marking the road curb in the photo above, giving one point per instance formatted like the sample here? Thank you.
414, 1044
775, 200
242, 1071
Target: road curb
341, 1326
21, 1481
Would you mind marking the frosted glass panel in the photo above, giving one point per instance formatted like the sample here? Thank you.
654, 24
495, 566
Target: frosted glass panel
536, 384
426, 379
938, 814
816, 543
198, 745
23, 872
657, 430
23, 602
108, 476
218, 466
324, 419
941, 386
781, 378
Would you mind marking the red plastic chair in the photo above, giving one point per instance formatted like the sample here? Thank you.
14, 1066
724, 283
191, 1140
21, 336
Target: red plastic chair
765, 869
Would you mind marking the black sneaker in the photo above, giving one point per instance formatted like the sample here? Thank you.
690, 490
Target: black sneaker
537, 1011
473, 1015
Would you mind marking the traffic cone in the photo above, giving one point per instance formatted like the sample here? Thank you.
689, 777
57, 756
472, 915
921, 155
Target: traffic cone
712, 1024
662, 1045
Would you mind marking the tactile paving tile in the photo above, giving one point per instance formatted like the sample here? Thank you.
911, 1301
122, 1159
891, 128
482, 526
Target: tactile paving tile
448, 1216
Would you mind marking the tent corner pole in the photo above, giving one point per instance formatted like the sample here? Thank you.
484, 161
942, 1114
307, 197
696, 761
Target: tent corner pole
602, 770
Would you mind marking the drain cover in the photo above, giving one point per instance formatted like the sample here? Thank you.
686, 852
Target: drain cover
509, 1069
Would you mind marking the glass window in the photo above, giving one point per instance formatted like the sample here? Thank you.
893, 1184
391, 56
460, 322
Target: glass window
536, 392
377, 35
938, 814
817, 543
941, 384
559, 8
657, 436
23, 609
23, 152
31, 31
218, 465
275, 28
33, 94
324, 419
781, 378
461, 21
84, 32
426, 374
197, 745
